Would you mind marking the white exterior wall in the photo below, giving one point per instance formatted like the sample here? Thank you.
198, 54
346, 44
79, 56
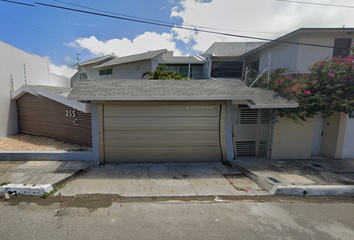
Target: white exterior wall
283, 55
132, 70
348, 146
308, 55
11, 63
291, 140
59, 81
298, 58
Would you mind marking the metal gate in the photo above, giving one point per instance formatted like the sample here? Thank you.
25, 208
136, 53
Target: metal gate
251, 132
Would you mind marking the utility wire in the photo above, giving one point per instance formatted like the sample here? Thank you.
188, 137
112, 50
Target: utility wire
42, 30
158, 21
181, 27
20, 3
314, 3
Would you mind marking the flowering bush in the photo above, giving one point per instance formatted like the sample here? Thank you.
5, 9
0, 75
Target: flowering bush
329, 88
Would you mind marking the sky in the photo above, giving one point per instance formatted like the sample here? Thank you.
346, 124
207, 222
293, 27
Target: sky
59, 34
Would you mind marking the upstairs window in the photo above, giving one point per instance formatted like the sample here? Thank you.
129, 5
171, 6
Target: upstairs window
107, 71
226, 69
342, 47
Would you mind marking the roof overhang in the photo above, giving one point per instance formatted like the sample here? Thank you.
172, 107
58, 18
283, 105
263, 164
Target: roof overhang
83, 107
160, 90
270, 99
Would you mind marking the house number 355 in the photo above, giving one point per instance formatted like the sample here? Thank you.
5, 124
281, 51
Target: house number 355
70, 113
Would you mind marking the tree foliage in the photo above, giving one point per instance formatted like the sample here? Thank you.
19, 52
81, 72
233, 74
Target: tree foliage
328, 88
162, 72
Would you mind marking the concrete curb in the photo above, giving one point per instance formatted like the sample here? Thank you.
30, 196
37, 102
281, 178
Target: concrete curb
314, 190
298, 190
39, 189
33, 190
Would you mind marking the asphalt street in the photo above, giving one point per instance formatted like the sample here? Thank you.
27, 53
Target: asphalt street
245, 219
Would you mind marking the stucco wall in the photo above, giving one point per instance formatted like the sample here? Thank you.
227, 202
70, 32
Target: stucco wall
59, 81
348, 145
308, 55
11, 63
291, 140
298, 58
283, 55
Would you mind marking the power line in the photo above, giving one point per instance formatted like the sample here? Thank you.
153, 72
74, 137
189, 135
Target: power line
158, 21
20, 3
33, 29
181, 27
319, 4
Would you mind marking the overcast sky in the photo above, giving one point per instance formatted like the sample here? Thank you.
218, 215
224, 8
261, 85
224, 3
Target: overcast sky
59, 34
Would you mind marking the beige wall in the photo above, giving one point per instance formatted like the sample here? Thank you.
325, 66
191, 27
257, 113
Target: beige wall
333, 135
291, 140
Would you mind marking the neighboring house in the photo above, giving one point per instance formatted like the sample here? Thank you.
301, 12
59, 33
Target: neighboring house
113, 67
288, 51
16, 69
133, 66
330, 137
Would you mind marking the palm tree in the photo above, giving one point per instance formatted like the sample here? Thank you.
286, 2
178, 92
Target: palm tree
160, 74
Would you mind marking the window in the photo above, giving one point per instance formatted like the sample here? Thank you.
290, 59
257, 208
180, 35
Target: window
107, 71
342, 47
226, 69
181, 70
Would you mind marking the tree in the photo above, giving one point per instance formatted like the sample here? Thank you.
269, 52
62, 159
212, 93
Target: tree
160, 74
329, 88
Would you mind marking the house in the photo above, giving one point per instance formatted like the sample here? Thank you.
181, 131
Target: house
133, 66
297, 51
179, 121
300, 49
19, 68
225, 60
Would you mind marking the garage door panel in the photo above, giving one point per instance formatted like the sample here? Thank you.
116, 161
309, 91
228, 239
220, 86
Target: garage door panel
162, 154
162, 138
162, 124
161, 111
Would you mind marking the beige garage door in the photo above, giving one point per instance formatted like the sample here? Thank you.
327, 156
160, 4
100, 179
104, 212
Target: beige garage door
161, 133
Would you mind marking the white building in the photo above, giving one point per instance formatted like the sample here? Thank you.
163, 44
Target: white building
18, 68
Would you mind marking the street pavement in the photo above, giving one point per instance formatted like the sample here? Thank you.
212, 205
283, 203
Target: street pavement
171, 220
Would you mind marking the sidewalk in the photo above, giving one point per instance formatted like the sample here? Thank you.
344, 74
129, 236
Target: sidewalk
315, 177
37, 177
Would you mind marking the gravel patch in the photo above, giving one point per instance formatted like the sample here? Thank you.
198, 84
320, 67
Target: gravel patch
27, 142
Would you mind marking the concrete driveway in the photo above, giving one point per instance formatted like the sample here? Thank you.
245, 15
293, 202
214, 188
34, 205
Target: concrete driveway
163, 180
